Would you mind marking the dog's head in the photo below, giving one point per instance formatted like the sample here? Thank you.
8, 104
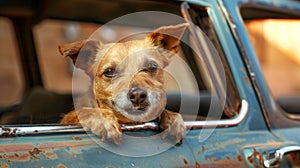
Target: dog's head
128, 76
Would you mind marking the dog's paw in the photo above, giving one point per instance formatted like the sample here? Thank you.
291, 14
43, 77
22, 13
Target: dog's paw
101, 123
107, 130
172, 124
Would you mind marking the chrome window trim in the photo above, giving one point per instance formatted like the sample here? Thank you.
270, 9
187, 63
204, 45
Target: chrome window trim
291, 116
221, 123
6, 131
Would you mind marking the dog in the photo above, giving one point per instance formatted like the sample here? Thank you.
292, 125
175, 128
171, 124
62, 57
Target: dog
127, 82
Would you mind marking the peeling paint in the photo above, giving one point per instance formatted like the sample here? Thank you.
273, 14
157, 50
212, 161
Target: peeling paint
50, 155
76, 138
197, 165
22, 157
239, 157
185, 161
35, 152
223, 145
201, 150
61, 166
247, 80
6, 132
4, 165
8, 148
255, 159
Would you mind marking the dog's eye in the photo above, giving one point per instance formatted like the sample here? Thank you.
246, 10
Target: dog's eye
151, 66
110, 72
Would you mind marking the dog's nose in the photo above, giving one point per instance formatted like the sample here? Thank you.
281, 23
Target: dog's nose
137, 95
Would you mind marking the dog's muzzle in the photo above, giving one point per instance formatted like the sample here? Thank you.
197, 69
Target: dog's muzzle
140, 105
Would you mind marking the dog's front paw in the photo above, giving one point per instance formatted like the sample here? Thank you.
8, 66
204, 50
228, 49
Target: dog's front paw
101, 123
173, 125
107, 130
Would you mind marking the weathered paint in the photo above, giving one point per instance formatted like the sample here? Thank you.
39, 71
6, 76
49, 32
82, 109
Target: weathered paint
236, 146
255, 159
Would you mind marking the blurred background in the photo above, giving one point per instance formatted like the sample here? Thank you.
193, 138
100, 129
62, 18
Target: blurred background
56, 70
276, 42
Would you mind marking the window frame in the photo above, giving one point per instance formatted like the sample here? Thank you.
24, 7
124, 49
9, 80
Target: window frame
58, 128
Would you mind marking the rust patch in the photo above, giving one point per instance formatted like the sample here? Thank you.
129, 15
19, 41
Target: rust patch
6, 132
51, 155
247, 80
77, 138
34, 152
225, 161
6, 166
185, 161
17, 157
197, 165
61, 166
255, 159
201, 150
239, 157
9, 148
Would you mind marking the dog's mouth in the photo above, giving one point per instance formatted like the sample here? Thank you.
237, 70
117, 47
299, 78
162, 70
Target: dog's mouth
139, 108
135, 108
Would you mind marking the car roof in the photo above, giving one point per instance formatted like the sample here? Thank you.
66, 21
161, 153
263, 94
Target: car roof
98, 11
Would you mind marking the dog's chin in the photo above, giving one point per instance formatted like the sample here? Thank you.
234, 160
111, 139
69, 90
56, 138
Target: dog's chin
143, 113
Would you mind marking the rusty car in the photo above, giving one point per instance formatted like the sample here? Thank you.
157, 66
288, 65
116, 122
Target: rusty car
233, 116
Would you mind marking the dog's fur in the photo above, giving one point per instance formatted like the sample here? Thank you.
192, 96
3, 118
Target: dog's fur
127, 82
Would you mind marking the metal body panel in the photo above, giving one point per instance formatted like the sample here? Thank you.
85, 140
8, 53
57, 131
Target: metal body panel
79, 150
225, 147
273, 114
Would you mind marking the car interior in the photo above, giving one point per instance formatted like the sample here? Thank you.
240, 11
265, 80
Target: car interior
38, 105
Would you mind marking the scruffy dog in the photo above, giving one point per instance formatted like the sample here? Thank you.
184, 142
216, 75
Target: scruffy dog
127, 82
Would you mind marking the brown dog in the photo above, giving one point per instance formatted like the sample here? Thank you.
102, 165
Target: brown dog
127, 82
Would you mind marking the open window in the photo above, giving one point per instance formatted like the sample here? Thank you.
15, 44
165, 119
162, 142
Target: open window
11, 80
205, 81
274, 35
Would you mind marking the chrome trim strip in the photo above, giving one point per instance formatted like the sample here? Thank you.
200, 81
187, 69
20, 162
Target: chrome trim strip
38, 129
50, 129
221, 123
57, 128
291, 116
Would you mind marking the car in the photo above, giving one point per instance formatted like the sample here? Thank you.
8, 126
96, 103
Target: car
219, 82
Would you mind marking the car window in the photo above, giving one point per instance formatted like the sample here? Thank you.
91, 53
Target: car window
191, 92
11, 82
57, 72
214, 69
276, 44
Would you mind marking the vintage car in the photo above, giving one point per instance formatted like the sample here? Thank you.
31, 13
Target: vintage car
220, 83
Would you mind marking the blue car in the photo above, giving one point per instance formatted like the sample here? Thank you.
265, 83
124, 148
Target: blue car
235, 81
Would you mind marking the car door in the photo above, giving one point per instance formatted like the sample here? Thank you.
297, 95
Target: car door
251, 26
241, 143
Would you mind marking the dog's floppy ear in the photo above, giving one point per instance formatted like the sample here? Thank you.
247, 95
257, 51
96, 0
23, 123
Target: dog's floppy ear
88, 50
168, 37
